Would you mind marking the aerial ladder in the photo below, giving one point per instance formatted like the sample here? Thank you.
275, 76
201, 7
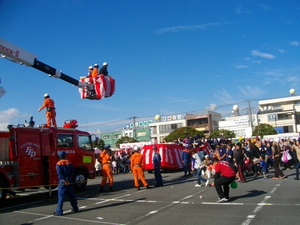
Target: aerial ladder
100, 87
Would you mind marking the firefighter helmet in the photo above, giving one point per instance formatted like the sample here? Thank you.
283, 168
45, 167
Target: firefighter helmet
105, 64
46, 95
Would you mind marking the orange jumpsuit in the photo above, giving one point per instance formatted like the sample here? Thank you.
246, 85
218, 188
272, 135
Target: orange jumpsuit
136, 161
104, 159
50, 112
95, 72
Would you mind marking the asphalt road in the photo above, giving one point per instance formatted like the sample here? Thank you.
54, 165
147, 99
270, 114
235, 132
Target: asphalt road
259, 201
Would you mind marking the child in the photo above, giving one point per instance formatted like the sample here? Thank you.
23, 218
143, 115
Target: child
263, 166
114, 166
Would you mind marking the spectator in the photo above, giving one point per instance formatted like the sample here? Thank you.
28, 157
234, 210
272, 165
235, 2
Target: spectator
277, 158
224, 176
186, 159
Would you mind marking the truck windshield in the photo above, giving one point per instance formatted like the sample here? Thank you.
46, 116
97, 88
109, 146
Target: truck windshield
84, 142
65, 140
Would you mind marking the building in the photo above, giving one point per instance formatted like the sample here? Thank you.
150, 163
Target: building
242, 126
281, 113
164, 125
205, 121
110, 138
145, 130
139, 129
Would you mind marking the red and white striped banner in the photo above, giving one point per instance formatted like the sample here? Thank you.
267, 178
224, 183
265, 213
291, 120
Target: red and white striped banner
104, 87
170, 156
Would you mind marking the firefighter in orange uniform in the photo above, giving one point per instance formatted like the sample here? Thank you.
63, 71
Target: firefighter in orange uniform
95, 71
89, 75
50, 111
136, 161
105, 160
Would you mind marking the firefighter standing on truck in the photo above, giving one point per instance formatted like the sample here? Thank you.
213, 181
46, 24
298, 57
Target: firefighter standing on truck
105, 160
65, 171
136, 161
50, 111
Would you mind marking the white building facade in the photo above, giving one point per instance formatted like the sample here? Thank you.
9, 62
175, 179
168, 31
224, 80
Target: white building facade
242, 126
281, 113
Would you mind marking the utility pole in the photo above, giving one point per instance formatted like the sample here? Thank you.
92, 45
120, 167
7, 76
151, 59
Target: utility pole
134, 129
249, 112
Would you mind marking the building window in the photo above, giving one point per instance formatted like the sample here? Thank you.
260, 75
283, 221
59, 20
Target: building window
117, 136
285, 116
297, 103
173, 126
106, 137
276, 107
197, 121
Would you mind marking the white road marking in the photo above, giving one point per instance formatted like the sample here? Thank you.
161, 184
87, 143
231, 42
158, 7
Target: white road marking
66, 218
259, 206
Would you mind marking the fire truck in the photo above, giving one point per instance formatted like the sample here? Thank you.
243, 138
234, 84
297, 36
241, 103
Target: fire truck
28, 156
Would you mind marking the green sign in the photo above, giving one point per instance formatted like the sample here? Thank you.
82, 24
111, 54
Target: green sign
87, 159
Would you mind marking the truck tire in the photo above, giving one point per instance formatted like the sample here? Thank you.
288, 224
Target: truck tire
80, 180
3, 191
150, 171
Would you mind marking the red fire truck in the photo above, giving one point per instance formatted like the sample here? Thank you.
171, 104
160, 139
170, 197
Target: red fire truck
28, 157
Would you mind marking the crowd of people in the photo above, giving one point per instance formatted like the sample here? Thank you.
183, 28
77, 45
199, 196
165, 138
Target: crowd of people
255, 156
225, 161
248, 158
120, 162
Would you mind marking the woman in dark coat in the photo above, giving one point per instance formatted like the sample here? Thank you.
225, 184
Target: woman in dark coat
239, 161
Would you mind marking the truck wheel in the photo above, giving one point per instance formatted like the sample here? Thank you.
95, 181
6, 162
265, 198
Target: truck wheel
150, 171
80, 180
3, 191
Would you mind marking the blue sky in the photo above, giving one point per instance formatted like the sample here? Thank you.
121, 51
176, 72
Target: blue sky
167, 57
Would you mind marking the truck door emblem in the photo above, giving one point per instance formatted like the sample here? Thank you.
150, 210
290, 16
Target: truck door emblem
29, 151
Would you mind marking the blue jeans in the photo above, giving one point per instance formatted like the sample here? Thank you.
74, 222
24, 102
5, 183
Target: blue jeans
297, 169
62, 190
199, 177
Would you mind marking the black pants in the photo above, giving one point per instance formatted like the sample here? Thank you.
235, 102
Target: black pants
222, 186
278, 172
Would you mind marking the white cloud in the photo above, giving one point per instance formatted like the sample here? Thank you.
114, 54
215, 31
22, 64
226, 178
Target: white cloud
240, 66
263, 55
212, 107
10, 116
265, 7
239, 10
295, 43
177, 100
186, 28
223, 95
251, 91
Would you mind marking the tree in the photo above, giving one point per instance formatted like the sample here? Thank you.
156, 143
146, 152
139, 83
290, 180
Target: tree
183, 132
222, 133
123, 140
263, 129
98, 143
